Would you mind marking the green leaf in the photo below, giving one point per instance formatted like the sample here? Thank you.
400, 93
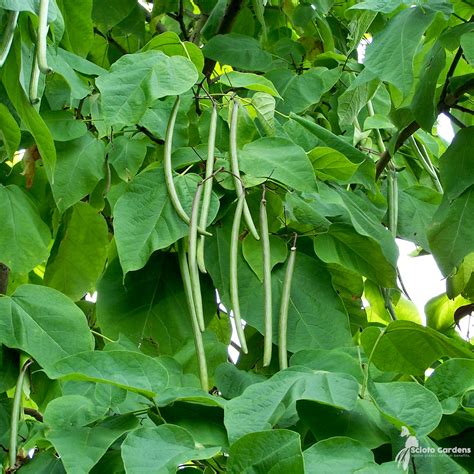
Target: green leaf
330, 164
451, 381
63, 126
161, 449
338, 454
390, 55
145, 219
126, 155
265, 404
29, 116
135, 81
366, 172
408, 348
280, 160
170, 43
301, 91
400, 403
252, 252
362, 254
351, 102
80, 448
79, 168
72, 411
467, 41
10, 133
275, 452
247, 80
79, 33
264, 105
425, 100
231, 382
132, 371
364, 423
43, 323
239, 51
440, 311
451, 234
456, 165
25, 237
78, 257
107, 16
417, 205
377, 121
149, 306
317, 317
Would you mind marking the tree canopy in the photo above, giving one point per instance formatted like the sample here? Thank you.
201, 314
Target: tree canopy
172, 169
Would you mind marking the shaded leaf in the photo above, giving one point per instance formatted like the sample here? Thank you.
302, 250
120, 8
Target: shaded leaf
43, 323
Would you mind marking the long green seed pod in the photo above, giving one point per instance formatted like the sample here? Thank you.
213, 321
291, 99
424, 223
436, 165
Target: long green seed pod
234, 163
8, 36
42, 37
267, 282
168, 168
34, 81
392, 200
206, 200
16, 408
285, 303
234, 286
192, 261
198, 342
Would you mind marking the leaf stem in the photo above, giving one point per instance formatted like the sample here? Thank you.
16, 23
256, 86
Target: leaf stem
208, 181
192, 258
8, 36
198, 342
234, 163
168, 168
267, 281
285, 303
366, 372
234, 280
16, 409
42, 37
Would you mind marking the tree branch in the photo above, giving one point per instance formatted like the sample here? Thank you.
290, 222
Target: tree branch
449, 100
4, 271
225, 27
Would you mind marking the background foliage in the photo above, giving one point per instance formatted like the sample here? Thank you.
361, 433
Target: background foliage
347, 157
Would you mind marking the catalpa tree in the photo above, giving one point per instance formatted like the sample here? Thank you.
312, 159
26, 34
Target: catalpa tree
170, 168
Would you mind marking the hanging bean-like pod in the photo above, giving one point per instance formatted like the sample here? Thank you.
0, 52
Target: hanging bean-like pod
208, 181
234, 287
198, 342
285, 303
234, 164
267, 282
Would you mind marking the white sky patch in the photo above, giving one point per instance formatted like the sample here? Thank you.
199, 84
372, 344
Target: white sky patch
445, 128
420, 275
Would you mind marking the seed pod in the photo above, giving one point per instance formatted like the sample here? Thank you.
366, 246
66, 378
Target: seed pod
285, 302
8, 36
267, 282
198, 342
206, 200
234, 163
42, 37
192, 260
234, 287
168, 168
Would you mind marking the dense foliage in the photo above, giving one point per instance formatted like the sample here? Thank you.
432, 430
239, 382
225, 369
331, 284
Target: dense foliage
280, 177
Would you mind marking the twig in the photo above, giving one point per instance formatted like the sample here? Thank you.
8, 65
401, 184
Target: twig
463, 109
454, 119
4, 272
